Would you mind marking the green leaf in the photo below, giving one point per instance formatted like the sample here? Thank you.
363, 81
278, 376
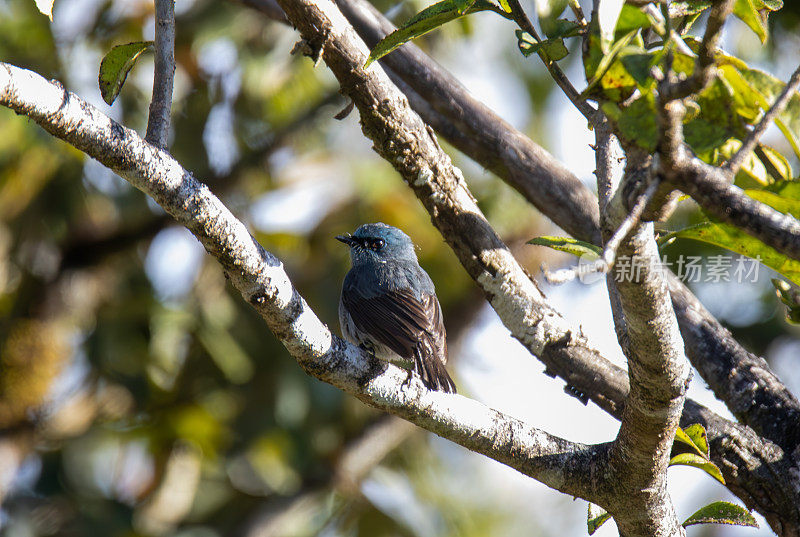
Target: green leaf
115, 66
605, 69
638, 66
786, 189
569, 245
790, 296
553, 48
738, 241
631, 18
596, 517
682, 437
778, 165
636, 123
747, 101
564, 28
682, 8
747, 12
697, 434
698, 461
722, 513
463, 5
607, 16
505, 5
423, 22
549, 11
772, 5
783, 196
703, 135
752, 173
716, 102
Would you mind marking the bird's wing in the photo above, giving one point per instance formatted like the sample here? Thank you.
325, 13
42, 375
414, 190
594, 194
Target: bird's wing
411, 327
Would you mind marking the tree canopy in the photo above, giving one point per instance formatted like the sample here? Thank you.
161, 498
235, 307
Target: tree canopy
140, 392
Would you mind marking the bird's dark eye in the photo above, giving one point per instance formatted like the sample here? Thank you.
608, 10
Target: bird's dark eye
377, 244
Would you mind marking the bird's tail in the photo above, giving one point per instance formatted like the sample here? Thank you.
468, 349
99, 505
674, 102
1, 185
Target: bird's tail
433, 373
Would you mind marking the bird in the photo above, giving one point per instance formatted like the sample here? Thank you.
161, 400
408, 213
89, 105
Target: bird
388, 305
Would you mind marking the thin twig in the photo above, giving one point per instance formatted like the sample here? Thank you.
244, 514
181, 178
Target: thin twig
521, 18
633, 218
752, 139
160, 106
704, 64
606, 261
576, 9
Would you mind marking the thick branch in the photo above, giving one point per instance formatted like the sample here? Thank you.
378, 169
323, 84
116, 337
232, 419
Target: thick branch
353, 83
755, 395
401, 138
711, 188
262, 281
657, 367
161, 104
771, 483
526, 166
470, 126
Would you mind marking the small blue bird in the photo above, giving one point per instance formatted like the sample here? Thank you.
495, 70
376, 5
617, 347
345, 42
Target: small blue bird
389, 305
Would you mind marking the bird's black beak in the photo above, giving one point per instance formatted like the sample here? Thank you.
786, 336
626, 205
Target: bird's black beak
347, 239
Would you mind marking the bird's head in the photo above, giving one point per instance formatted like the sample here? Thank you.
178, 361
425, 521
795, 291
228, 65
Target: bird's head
378, 243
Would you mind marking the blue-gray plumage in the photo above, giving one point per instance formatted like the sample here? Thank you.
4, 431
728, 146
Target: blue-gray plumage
389, 305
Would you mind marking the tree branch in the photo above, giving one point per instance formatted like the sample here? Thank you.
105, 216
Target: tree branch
704, 66
755, 135
711, 188
480, 133
442, 184
657, 368
547, 184
522, 20
161, 104
755, 395
772, 483
263, 283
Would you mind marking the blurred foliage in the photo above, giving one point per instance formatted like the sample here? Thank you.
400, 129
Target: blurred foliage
161, 403
161, 408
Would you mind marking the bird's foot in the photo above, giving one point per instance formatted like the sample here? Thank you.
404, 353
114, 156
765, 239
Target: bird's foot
407, 382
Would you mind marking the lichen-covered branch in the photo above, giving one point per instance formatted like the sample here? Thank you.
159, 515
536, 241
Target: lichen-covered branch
470, 126
263, 282
657, 367
477, 131
400, 137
